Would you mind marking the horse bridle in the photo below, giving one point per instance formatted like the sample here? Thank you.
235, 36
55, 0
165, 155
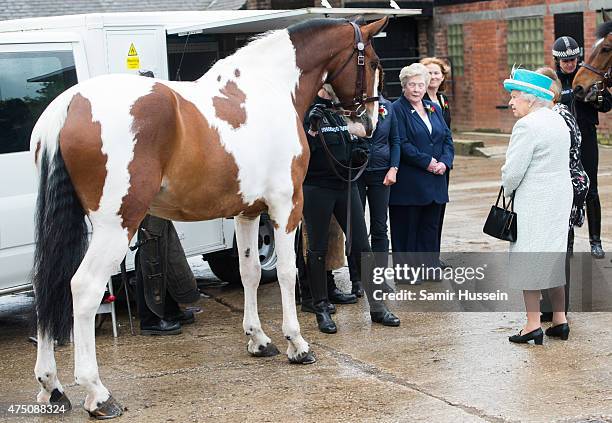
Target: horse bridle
361, 98
602, 84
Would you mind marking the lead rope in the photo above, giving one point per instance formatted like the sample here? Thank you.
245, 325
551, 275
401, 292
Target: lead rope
330, 160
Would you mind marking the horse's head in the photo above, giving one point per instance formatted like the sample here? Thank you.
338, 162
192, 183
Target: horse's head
353, 74
595, 73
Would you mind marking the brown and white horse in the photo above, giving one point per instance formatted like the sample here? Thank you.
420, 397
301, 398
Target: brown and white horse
595, 74
116, 147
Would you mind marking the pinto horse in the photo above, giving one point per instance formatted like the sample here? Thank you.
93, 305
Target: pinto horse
595, 74
117, 147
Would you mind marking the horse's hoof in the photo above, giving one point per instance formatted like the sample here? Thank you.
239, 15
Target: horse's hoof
108, 409
269, 350
60, 398
307, 357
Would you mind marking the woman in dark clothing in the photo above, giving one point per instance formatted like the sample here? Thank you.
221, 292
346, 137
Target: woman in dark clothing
438, 71
426, 155
580, 185
566, 53
325, 194
374, 185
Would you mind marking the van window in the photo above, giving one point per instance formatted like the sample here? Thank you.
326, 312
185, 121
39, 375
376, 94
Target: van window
29, 81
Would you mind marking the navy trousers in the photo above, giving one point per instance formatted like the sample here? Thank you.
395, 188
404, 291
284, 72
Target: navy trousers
415, 228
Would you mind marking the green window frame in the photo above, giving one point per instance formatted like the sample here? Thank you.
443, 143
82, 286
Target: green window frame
526, 42
454, 41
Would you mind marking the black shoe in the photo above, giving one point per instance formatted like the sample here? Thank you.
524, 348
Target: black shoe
357, 289
324, 320
307, 307
596, 250
537, 336
336, 296
386, 318
546, 316
560, 331
186, 317
164, 327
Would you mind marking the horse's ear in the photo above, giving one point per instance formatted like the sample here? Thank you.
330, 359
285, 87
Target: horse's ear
375, 27
606, 17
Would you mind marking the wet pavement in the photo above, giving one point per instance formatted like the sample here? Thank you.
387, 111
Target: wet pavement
436, 367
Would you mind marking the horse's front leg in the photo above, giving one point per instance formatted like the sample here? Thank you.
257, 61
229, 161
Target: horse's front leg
247, 230
298, 350
106, 250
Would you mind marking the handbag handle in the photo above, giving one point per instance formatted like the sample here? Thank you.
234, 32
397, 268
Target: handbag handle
503, 197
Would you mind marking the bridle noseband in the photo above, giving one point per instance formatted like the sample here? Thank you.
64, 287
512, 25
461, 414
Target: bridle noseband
360, 99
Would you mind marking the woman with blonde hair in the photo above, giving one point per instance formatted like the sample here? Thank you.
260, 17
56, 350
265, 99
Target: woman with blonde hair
439, 72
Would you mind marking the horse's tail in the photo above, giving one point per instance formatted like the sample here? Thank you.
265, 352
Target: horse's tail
61, 231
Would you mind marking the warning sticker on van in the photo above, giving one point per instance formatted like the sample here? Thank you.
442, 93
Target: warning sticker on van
132, 61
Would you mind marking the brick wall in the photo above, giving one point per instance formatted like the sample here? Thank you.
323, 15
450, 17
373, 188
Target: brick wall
479, 92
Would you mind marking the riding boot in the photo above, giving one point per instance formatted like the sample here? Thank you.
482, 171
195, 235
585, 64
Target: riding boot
593, 209
324, 320
306, 298
318, 290
334, 294
354, 263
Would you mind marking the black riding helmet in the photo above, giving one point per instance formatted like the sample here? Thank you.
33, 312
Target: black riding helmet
565, 48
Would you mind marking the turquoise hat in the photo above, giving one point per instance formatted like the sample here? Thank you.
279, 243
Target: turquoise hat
530, 82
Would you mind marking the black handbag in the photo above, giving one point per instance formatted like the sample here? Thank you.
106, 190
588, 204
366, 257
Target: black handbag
501, 222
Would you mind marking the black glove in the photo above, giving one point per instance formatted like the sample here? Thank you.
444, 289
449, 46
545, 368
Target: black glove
315, 116
359, 156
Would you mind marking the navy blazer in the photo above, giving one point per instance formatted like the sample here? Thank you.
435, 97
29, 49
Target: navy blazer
416, 186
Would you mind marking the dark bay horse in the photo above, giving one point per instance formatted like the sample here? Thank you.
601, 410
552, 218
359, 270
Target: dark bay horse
116, 147
595, 74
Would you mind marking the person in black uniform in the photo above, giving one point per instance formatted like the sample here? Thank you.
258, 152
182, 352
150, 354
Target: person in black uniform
325, 194
566, 53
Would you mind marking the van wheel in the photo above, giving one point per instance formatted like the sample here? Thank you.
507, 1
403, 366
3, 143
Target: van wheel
225, 266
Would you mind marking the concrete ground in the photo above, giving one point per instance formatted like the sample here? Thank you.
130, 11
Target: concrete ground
436, 367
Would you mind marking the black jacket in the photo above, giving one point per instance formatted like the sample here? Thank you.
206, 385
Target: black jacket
341, 144
443, 101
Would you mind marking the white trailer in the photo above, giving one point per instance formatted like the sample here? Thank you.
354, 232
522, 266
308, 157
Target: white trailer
41, 57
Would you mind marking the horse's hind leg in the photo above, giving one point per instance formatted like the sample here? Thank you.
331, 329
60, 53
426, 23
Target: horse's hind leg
51, 390
247, 230
107, 248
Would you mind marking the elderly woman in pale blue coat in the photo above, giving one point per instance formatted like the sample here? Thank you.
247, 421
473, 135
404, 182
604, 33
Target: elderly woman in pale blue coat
537, 171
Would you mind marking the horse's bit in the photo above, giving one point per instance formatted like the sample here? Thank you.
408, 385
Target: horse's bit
361, 98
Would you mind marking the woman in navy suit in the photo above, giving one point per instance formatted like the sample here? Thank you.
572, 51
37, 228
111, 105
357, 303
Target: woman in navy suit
427, 153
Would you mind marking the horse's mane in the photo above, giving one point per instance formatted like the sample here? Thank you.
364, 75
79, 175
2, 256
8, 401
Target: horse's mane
604, 29
313, 24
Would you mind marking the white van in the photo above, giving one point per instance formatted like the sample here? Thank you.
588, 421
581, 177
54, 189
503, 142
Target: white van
41, 57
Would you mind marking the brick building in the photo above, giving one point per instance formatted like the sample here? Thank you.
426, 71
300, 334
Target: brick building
483, 39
